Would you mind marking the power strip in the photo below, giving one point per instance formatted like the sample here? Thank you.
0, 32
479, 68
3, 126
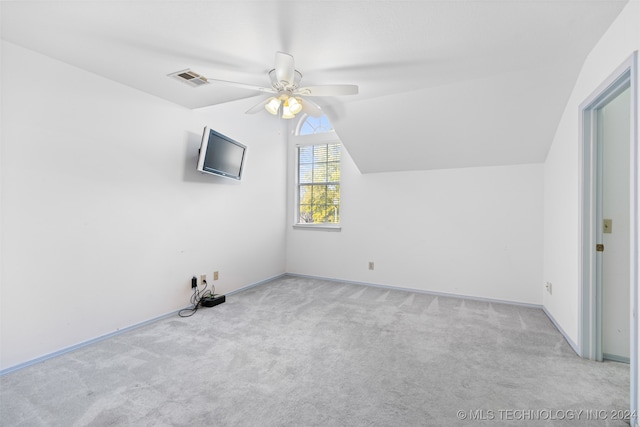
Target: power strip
212, 301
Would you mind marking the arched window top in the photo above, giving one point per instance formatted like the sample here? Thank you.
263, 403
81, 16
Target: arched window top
313, 125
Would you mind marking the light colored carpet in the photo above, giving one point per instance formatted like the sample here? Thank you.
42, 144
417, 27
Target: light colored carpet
307, 352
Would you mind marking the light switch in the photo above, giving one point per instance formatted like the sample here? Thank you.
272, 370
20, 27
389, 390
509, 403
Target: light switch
606, 226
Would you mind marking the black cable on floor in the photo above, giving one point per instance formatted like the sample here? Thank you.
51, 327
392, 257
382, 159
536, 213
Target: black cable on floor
195, 301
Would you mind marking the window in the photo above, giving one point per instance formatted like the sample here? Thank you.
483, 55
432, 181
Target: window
318, 174
314, 125
319, 184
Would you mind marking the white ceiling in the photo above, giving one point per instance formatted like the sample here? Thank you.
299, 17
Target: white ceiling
443, 84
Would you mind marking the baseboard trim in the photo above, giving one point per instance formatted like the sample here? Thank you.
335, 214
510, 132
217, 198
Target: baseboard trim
253, 285
420, 291
84, 344
115, 333
615, 358
572, 344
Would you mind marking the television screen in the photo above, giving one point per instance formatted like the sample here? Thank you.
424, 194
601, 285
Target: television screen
220, 155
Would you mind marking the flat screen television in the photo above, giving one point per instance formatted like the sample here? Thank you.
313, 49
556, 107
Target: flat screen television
221, 155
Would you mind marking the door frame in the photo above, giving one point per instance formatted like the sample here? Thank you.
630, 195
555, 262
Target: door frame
590, 232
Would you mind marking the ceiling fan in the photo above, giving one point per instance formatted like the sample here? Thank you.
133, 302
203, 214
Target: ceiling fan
287, 99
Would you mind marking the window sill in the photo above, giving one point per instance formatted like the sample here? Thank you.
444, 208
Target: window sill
318, 227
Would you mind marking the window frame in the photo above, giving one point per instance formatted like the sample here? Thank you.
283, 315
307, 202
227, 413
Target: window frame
324, 138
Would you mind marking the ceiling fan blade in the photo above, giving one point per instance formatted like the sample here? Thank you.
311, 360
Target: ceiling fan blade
311, 108
242, 85
258, 107
285, 68
327, 90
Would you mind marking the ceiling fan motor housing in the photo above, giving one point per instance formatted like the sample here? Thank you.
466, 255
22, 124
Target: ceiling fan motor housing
284, 85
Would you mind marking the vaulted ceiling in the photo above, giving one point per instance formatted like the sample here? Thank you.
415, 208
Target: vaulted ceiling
443, 84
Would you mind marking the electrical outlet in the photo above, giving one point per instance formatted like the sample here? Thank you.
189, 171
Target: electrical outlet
203, 278
371, 265
549, 287
215, 275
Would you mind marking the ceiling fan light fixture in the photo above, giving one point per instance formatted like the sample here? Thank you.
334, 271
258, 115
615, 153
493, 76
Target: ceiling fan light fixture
286, 101
295, 105
286, 110
273, 105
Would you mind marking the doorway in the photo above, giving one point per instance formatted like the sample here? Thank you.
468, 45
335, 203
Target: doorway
613, 137
609, 221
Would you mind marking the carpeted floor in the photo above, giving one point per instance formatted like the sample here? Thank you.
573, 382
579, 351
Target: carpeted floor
307, 352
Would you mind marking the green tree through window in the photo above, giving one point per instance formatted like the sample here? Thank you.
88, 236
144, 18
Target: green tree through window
319, 184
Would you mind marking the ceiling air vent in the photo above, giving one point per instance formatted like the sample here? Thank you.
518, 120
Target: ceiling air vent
190, 77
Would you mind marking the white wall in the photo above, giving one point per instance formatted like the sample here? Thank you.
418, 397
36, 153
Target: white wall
104, 219
561, 173
474, 232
